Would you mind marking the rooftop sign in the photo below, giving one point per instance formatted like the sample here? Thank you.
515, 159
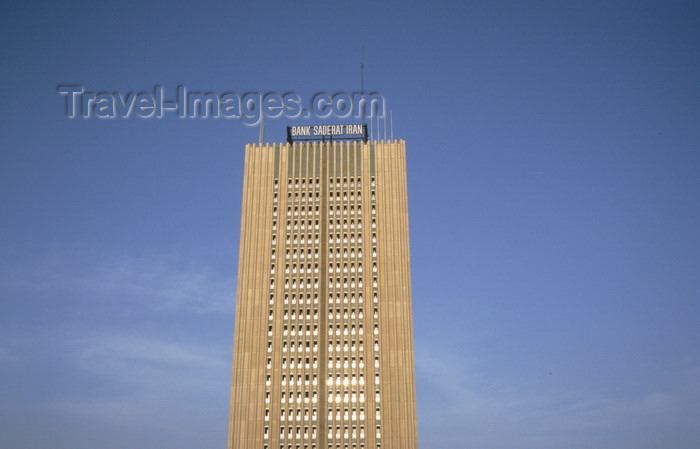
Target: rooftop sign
326, 133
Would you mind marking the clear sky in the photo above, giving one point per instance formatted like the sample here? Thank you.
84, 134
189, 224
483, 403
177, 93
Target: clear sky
554, 195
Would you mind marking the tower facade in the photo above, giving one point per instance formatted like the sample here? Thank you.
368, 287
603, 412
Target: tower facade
323, 344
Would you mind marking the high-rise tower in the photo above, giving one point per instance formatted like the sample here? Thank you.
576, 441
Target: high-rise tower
323, 346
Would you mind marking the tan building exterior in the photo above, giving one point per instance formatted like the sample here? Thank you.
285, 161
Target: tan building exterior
323, 347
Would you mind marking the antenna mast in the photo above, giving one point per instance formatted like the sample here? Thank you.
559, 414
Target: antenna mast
262, 127
362, 71
391, 120
384, 111
362, 81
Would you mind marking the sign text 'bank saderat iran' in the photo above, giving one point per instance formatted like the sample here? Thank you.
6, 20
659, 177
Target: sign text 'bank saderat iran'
326, 132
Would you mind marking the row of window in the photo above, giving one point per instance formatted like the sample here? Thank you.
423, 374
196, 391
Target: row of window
300, 396
332, 238
353, 363
316, 183
335, 209
309, 212
346, 381
301, 347
298, 330
313, 446
305, 312
337, 251
293, 315
334, 415
299, 378
298, 414
297, 209
297, 433
301, 196
351, 284
345, 315
306, 268
345, 332
301, 299
296, 363
302, 240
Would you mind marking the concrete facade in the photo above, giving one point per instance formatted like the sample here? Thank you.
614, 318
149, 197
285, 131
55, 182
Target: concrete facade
323, 345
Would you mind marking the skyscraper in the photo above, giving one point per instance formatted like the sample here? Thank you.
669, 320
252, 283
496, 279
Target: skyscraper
323, 345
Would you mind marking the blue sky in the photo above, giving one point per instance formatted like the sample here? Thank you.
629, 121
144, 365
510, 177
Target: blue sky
554, 195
